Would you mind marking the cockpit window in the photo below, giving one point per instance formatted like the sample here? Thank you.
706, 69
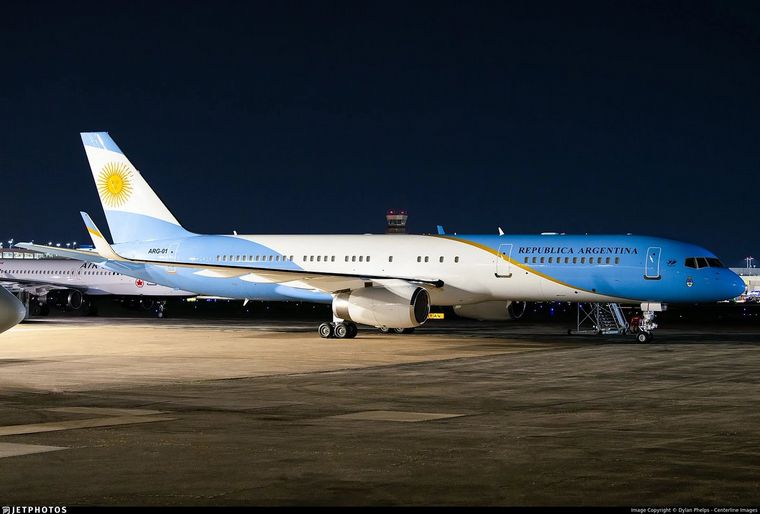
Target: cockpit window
703, 262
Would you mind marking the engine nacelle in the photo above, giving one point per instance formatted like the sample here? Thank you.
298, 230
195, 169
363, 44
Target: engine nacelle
492, 311
64, 299
404, 306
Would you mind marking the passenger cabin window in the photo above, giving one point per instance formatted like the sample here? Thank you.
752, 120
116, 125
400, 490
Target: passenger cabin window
390, 258
419, 259
440, 259
456, 259
427, 258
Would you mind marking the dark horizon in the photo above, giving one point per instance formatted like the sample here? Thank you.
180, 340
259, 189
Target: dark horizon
293, 117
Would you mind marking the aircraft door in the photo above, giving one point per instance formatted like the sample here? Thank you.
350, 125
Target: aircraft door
172, 257
503, 265
652, 266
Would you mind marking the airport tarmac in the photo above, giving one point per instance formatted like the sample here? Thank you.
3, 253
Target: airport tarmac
105, 411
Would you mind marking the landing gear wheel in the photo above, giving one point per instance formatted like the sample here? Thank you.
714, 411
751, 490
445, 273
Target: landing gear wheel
352, 330
644, 337
341, 331
92, 309
325, 330
384, 330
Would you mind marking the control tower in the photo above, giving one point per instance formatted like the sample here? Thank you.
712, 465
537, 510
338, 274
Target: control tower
396, 221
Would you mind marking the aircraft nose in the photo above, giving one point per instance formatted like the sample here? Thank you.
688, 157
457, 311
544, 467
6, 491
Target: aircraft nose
735, 285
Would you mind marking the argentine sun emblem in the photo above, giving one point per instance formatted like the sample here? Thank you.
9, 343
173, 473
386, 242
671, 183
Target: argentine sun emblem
115, 184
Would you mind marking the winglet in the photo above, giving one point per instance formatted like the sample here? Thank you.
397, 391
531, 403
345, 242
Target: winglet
441, 232
101, 245
501, 232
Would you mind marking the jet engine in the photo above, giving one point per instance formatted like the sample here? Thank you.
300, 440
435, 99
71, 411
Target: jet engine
492, 311
400, 306
64, 299
12, 311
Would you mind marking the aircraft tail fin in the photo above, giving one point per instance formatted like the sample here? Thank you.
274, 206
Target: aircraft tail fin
133, 210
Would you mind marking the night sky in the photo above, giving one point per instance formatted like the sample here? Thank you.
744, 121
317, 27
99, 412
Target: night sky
316, 117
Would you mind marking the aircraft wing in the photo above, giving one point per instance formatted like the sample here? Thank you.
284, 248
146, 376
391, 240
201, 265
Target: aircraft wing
80, 255
314, 280
322, 281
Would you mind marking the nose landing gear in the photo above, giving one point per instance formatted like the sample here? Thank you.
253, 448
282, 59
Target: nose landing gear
644, 326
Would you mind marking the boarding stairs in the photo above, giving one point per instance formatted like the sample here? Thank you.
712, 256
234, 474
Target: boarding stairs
600, 318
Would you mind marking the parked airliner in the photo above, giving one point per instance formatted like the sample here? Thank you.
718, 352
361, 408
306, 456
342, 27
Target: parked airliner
66, 284
390, 281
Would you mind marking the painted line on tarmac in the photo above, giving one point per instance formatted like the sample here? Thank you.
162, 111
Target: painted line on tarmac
14, 449
55, 426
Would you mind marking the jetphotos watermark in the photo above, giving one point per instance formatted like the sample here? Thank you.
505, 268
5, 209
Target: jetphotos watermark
27, 509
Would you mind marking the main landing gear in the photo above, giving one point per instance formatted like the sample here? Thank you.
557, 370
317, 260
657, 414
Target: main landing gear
161, 309
348, 330
338, 330
386, 330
